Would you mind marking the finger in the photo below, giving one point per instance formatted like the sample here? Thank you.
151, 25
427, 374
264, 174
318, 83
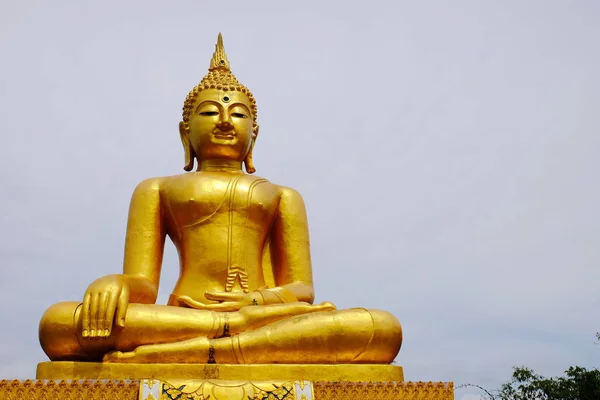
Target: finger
102, 304
110, 313
225, 306
85, 324
189, 302
94, 314
122, 303
223, 296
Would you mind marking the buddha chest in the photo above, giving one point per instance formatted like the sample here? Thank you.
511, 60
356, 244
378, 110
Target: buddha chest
200, 200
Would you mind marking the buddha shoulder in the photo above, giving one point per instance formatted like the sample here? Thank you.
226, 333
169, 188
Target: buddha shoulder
148, 187
290, 200
193, 182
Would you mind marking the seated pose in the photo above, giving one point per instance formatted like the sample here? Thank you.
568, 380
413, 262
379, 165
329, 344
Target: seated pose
245, 289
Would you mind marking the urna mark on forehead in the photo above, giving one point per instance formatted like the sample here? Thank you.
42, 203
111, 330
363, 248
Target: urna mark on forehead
226, 99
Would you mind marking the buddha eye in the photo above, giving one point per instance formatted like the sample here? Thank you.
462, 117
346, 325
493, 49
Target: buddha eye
209, 113
239, 115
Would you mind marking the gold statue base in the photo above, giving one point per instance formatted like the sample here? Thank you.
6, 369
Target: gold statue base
58, 380
232, 372
149, 389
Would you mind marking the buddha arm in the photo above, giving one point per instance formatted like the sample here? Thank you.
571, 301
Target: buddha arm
290, 251
144, 243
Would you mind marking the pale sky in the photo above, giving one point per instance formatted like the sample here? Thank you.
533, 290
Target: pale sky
447, 152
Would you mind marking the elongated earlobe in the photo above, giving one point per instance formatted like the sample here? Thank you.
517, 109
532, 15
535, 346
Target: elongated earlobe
248, 160
248, 163
187, 147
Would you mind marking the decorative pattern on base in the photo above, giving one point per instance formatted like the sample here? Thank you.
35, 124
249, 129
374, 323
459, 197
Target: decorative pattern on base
52, 390
231, 390
383, 390
149, 389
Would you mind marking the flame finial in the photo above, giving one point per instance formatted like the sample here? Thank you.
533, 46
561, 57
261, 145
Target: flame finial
219, 58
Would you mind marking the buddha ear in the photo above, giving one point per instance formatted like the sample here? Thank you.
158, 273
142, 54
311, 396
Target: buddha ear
187, 147
248, 160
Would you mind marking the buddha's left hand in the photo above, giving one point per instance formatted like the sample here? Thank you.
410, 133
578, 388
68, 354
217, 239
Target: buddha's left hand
227, 301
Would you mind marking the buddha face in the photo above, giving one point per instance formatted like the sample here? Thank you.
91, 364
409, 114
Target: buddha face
220, 126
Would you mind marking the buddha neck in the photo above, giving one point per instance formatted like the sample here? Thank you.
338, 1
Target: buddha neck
216, 165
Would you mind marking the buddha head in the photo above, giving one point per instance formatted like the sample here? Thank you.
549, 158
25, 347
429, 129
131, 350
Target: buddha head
219, 117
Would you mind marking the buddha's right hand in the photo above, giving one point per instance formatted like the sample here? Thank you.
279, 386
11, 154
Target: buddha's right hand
105, 301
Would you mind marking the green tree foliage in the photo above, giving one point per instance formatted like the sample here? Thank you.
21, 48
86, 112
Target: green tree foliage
577, 384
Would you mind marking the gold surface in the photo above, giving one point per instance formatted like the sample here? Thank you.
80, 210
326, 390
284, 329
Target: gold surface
39, 390
221, 390
230, 390
245, 291
383, 391
260, 372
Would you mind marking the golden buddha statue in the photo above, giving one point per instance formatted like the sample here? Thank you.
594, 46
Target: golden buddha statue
245, 290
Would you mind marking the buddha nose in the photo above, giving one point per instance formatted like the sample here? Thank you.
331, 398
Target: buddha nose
224, 123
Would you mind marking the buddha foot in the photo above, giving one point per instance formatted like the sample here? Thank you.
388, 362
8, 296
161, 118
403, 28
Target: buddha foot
162, 353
